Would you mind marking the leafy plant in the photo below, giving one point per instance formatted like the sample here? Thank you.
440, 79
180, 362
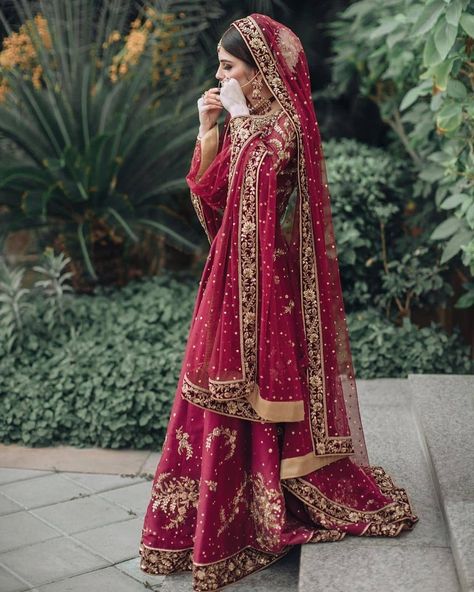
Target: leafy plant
54, 286
13, 305
414, 60
382, 349
382, 255
100, 121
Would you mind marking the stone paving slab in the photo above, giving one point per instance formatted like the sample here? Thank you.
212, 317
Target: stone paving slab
11, 583
132, 568
82, 514
22, 528
116, 542
51, 560
103, 580
94, 537
134, 498
10, 475
99, 482
8, 506
43, 491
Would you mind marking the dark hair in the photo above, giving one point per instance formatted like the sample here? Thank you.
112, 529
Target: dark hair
233, 42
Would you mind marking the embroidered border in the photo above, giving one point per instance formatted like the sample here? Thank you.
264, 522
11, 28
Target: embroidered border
210, 576
322, 443
329, 512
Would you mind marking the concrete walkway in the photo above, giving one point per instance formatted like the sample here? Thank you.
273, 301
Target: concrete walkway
70, 519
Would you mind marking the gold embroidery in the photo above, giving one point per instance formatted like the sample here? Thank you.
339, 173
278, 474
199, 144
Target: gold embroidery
231, 437
290, 306
184, 444
175, 497
266, 509
383, 521
323, 444
210, 576
211, 484
161, 561
290, 46
237, 500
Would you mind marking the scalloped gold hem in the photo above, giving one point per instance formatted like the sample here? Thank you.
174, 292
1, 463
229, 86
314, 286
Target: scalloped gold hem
215, 575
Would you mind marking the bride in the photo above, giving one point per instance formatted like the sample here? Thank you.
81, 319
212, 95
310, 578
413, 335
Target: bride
265, 447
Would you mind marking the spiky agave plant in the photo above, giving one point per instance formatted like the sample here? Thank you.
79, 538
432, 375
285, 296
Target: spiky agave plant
99, 120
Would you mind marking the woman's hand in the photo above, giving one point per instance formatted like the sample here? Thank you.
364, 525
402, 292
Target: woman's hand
209, 106
233, 99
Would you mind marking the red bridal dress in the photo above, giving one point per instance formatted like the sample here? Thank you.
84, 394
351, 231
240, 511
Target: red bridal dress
265, 447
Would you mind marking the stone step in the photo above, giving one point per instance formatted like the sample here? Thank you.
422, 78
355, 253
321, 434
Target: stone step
443, 406
414, 561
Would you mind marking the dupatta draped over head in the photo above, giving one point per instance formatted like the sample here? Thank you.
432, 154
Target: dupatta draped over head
237, 365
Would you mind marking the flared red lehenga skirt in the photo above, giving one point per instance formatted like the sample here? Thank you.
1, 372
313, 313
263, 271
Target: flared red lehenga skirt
219, 509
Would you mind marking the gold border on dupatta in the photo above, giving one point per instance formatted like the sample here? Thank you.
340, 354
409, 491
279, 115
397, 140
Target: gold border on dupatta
323, 444
242, 398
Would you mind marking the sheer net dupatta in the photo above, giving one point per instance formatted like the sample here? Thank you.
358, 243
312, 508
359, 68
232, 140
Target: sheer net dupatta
234, 332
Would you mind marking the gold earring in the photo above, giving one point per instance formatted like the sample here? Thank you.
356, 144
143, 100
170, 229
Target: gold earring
257, 86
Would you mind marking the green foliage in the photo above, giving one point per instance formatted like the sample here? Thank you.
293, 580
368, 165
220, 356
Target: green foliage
381, 349
107, 376
381, 259
415, 61
88, 144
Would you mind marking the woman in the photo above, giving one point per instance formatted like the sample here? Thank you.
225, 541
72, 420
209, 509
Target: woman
265, 447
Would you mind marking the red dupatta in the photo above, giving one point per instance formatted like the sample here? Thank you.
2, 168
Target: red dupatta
232, 331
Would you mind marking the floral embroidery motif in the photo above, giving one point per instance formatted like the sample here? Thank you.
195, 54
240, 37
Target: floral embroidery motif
184, 444
211, 484
231, 437
175, 497
266, 511
159, 561
237, 500
265, 507
290, 46
290, 306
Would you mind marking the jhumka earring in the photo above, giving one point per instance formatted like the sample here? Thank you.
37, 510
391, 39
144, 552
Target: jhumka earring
257, 86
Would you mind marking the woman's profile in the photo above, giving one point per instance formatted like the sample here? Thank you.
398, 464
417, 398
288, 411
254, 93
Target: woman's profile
265, 447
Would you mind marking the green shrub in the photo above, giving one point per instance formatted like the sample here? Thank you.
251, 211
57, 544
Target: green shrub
381, 349
108, 376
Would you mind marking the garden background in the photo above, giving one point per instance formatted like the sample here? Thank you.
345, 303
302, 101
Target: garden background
101, 248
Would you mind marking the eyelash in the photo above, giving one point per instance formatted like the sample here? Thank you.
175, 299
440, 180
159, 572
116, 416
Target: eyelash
226, 67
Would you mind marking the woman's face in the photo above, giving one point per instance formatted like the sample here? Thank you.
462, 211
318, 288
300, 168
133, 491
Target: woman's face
232, 67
